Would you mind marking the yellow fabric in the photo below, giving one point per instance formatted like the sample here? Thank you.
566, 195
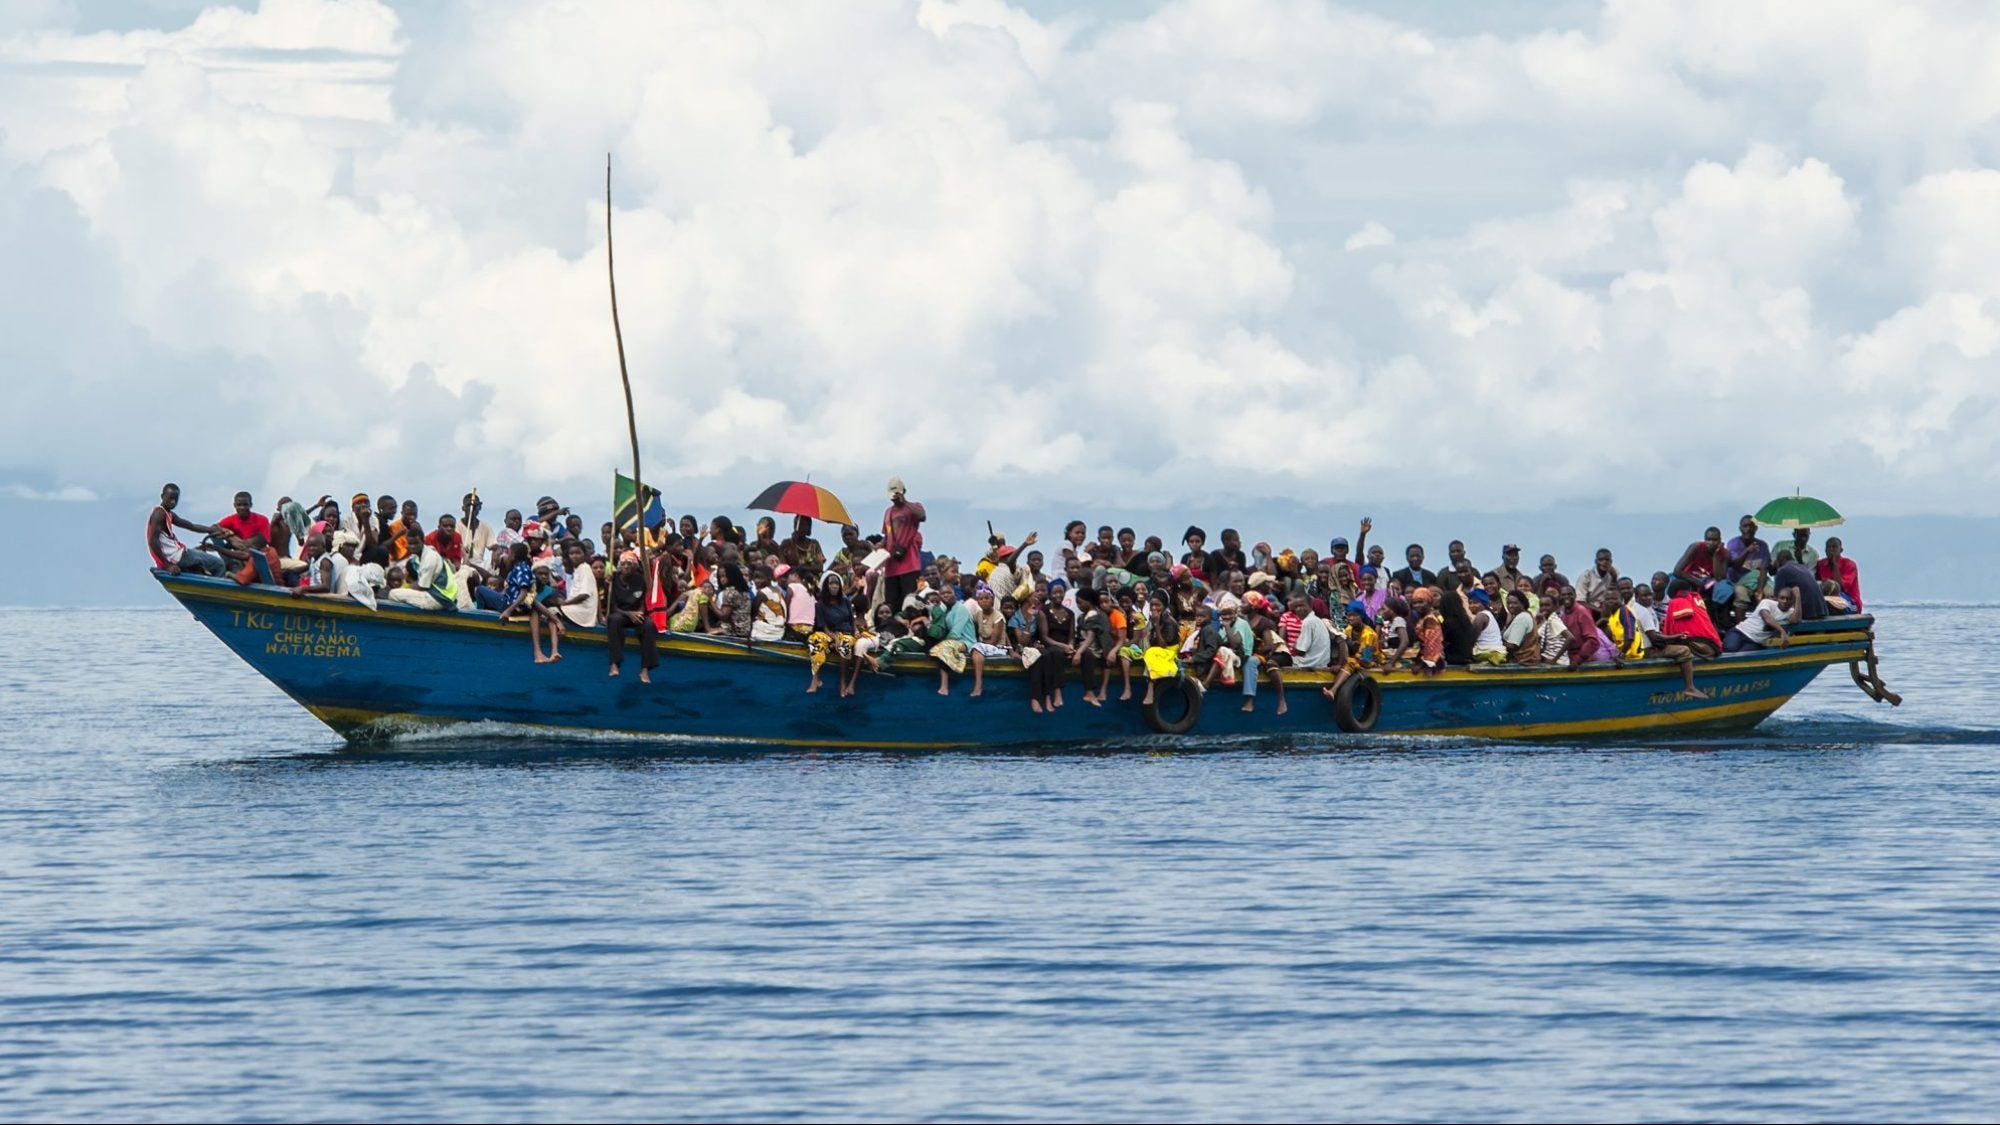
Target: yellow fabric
1162, 663
1632, 647
1368, 641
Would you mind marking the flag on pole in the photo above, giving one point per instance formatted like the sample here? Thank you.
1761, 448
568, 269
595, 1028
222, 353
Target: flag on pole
623, 508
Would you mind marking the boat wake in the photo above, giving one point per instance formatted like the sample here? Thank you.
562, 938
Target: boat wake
511, 743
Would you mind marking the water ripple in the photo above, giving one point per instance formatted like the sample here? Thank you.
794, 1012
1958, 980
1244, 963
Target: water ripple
212, 910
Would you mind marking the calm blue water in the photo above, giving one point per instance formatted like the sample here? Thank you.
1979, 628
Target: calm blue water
208, 910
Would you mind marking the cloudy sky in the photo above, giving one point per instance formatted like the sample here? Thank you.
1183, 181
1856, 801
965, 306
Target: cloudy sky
1497, 257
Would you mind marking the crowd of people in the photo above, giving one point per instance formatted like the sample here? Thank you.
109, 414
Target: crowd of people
1094, 606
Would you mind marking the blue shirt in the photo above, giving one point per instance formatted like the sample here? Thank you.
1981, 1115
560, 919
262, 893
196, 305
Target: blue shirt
520, 578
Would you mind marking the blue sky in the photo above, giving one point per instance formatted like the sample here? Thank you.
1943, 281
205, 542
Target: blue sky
1555, 263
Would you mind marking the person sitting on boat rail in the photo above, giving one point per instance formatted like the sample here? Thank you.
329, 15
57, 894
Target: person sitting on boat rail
1837, 568
1765, 624
625, 606
244, 520
537, 604
1681, 648
989, 630
833, 634
169, 553
952, 635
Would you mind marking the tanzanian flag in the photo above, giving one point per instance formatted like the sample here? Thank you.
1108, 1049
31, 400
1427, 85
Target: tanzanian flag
623, 508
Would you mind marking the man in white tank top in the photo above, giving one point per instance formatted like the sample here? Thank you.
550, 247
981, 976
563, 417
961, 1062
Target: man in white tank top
169, 553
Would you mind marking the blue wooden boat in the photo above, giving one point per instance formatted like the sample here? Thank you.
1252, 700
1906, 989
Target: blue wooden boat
376, 673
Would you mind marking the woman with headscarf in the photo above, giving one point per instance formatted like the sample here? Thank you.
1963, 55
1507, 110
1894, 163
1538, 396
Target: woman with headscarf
1196, 559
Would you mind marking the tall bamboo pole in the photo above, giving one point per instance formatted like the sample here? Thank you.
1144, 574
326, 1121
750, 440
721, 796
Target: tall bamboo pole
631, 419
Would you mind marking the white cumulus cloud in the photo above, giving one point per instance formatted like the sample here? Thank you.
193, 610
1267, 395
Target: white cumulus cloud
328, 245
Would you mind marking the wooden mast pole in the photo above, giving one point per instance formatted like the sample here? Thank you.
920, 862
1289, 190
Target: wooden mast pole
624, 375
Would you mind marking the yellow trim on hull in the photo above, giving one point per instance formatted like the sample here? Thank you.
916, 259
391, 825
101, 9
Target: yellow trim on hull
1697, 716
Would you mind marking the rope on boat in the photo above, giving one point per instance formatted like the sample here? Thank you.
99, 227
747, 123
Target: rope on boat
1870, 682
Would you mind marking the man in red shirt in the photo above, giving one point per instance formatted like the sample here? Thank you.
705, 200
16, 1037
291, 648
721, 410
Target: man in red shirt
903, 538
1582, 627
447, 540
1704, 561
1685, 633
244, 521
1837, 567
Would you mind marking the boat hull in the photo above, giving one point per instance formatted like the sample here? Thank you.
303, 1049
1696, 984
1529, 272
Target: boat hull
374, 673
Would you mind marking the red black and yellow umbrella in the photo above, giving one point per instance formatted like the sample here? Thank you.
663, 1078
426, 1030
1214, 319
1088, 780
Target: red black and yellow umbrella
802, 498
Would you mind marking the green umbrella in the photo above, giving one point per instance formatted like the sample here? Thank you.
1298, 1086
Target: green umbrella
1798, 511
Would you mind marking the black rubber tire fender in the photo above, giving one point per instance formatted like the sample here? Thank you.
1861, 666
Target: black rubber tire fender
1358, 704
1187, 690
